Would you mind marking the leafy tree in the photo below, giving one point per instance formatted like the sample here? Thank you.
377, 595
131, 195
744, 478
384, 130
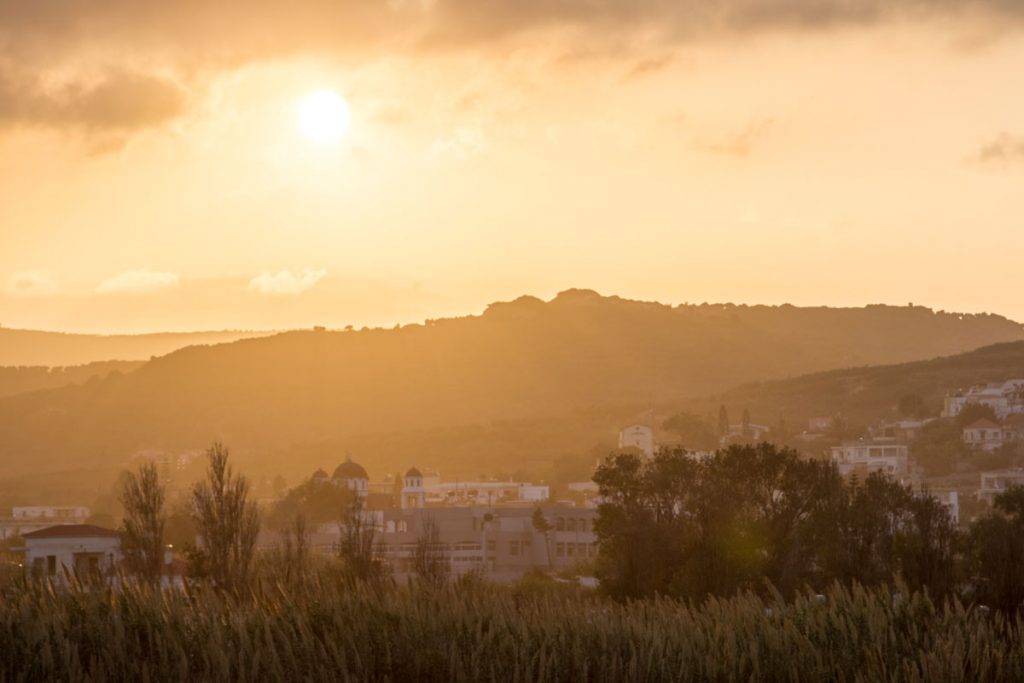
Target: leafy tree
693, 431
142, 527
431, 562
723, 421
316, 500
227, 522
295, 550
757, 514
912, 405
972, 412
542, 526
995, 553
356, 547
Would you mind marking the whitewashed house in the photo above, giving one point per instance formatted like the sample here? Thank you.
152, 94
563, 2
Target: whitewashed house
983, 435
640, 437
865, 457
995, 482
83, 550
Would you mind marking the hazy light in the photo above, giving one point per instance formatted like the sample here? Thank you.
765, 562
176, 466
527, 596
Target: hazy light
323, 116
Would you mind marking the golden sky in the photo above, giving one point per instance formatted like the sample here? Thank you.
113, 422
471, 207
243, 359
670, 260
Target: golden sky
153, 174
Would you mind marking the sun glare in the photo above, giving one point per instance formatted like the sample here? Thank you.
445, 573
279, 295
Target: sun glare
323, 116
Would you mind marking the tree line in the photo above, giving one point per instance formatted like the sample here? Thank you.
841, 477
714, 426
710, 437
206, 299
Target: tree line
762, 518
228, 523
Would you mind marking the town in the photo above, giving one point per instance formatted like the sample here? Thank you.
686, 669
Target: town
503, 530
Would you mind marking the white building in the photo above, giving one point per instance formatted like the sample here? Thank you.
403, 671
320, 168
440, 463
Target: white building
1004, 398
995, 482
984, 435
640, 437
486, 493
414, 496
25, 519
83, 550
44, 512
950, 499
864, 457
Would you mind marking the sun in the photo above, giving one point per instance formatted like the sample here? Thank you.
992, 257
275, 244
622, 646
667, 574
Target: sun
323, 116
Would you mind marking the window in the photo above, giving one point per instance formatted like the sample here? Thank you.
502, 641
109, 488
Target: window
582, 525
560, 524
491, 545
572, 525
572, 549
51, 565
559, 550
513, 548
403, 526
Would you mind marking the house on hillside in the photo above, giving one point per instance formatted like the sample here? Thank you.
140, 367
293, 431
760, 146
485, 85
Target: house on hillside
640, 437
861, 458
994, 483
901, 430
88, 552
1004, 398
984, 435
745, 433
1013, 427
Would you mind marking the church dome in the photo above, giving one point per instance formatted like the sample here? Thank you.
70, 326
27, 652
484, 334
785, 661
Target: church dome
319, 474
413, 472
350, 470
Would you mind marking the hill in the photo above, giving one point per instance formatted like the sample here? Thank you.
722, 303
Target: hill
867, 394
319, 392
22, 379
57, 349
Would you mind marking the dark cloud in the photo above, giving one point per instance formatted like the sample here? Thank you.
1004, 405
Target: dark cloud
1005, 149
116, 100
246, 29
195, 36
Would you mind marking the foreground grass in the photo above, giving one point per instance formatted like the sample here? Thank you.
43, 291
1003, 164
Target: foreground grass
329, 632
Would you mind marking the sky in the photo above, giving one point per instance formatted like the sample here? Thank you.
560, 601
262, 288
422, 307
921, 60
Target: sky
154, 176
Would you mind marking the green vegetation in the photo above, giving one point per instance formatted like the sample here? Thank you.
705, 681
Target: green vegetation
761, 519
328, 630
435, 388
22, 379
755, 516
865, 395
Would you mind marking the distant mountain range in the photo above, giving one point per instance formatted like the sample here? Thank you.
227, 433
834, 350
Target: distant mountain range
26, 378
520, 360
59, 349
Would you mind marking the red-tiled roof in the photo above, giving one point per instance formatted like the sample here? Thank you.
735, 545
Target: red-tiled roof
983, 423
73, 531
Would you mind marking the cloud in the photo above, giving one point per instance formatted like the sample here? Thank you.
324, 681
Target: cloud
741, 143
285, 282
31, 283
1005, 149
645, 67
51, 40
138, 282
115, 100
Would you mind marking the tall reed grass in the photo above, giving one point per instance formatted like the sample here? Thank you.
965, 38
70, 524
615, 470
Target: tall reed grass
328, 630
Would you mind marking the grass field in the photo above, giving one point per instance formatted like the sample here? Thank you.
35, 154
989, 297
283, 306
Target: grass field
327, 631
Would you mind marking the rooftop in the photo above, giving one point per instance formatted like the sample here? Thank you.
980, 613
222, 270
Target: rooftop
72, 531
